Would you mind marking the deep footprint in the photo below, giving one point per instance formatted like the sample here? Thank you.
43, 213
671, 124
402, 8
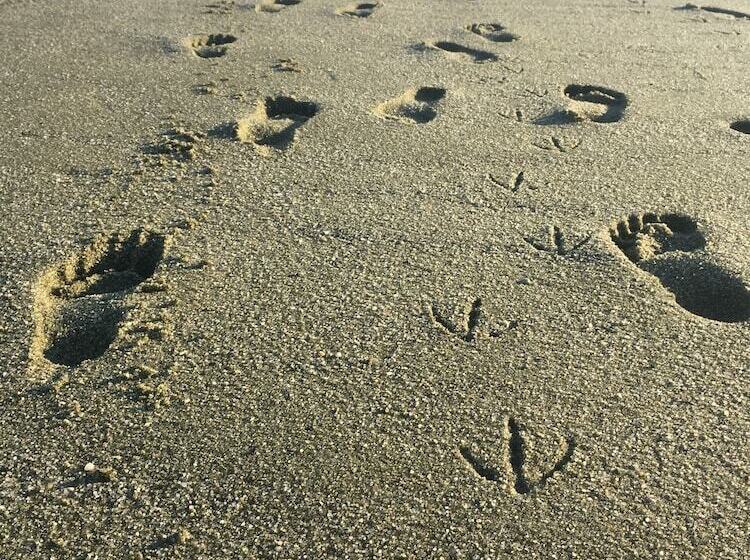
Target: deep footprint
273, 6
670, 246
362, 10
414, 106
209, 46
492, 32
78, 305
589, 103
274, 123
460, 52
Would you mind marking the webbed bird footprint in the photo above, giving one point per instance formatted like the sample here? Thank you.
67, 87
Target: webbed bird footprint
414, 106
79, 305
672, 248
588, 103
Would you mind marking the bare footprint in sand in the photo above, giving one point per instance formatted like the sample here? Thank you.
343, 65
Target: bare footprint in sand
670, 246
414, 106
588, 103
208, 46
460, 52
274, 123
273, 6
361, 10
492, 32
79, 305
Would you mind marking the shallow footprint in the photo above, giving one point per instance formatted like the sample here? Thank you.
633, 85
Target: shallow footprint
414, 106
593, 103
273, 6
669, 246
492, 32
274, 123
361, 10
460, 52
209, 46
78, 305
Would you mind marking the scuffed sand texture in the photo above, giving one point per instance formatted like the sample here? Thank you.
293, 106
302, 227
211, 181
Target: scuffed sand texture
394, 279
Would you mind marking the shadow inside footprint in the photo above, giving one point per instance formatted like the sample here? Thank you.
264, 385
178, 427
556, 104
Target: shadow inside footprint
461, 52
414, 106
742, 126
78, 305
273, 6
670, 246
274, 122
702, 288
85, 329
725, 12
361, 10
492, 32
593, 103
715, 10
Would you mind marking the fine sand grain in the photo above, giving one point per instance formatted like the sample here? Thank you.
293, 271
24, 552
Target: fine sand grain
397, 279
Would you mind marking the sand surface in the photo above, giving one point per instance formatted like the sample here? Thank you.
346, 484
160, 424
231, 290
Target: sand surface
409, 279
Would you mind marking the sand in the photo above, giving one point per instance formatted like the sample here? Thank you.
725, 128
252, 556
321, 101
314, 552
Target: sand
401, 279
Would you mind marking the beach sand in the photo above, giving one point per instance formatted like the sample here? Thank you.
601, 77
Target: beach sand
406, 279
